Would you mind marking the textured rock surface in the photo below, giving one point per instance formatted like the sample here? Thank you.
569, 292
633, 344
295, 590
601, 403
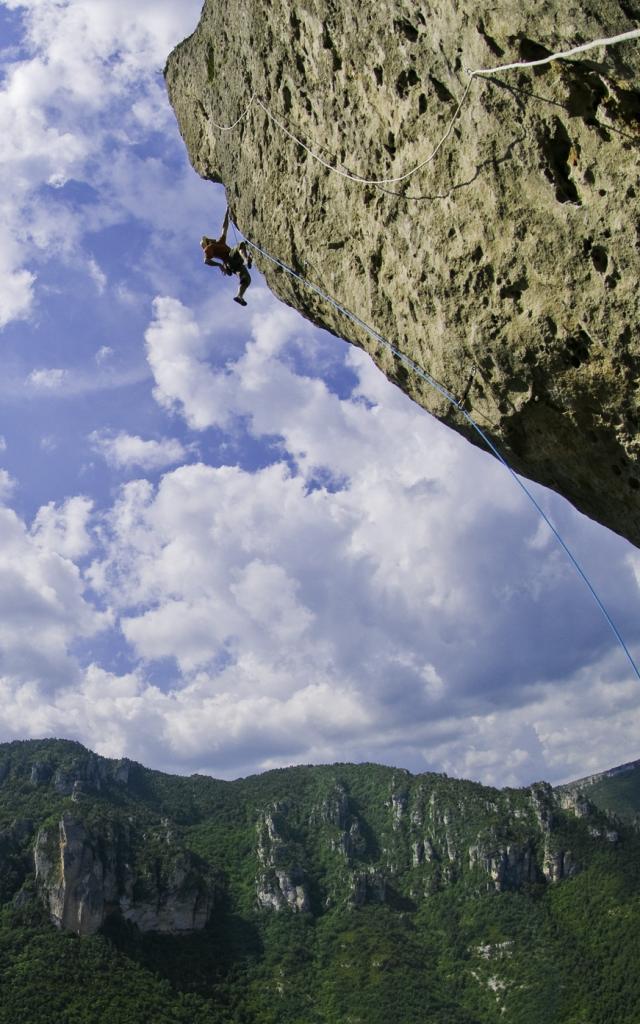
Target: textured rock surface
508, 267
74, 879
84, 878
281, 882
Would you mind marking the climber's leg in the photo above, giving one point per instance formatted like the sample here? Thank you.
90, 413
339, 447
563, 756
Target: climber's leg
245, 281
225, 227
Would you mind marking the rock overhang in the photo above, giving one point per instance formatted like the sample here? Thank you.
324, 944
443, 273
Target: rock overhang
508, 267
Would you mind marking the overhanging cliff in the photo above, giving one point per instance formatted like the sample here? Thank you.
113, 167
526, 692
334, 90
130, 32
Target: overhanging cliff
507, 267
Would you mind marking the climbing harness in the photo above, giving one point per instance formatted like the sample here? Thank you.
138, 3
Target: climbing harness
442, 390
478, 72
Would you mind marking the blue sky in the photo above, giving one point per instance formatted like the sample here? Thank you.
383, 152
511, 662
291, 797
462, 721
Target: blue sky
227, 542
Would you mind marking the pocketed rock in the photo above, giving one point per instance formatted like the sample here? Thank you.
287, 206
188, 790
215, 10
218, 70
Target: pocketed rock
508, 266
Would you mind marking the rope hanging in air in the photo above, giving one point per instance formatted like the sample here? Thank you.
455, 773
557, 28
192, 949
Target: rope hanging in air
437, 386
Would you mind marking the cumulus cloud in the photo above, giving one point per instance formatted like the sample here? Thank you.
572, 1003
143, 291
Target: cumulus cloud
413, 575
16, 295
366, 612
78, 34
195, 728
64, 529
7, 485
43, 610
125, 451
48, 379
377, 592
282, 612
176, 351
83, 60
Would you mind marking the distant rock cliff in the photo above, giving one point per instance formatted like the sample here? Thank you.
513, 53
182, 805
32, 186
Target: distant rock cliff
86, 878
340, 892
508, 267
139, 846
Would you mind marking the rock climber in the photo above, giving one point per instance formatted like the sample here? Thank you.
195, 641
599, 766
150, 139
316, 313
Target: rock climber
230, 261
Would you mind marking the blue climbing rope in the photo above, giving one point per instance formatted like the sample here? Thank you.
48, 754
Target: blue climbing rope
457, 405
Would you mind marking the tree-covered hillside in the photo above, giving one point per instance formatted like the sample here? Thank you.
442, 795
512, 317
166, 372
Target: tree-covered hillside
616, 790
341, 894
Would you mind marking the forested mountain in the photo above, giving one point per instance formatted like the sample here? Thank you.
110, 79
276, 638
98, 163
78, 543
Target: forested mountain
340, 894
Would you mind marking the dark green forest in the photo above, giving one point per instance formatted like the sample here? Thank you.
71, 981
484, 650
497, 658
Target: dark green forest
423, 899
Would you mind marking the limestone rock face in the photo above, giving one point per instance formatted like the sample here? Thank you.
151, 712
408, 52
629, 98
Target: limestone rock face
74, 878
424, 833
84, 878
281, 883
181, 903
508, 266
509, 867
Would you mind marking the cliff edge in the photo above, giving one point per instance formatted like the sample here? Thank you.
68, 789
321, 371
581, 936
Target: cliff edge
508, 266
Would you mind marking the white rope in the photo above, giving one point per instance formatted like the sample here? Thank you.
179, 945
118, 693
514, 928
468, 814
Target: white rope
357, 177
561, 55
230, 127
608, 41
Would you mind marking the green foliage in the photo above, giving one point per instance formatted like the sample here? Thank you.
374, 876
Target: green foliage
49, 976
443, 948
620, 794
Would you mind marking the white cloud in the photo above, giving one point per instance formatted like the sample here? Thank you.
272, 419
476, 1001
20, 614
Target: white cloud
79, 34
64, 528
42, 611
7, 485
16, 295
126, 451
103, 354
84, 58
98, 276
67, 383
176, 351
48, 379
389, 599
281, 603
378, 618
385, 599
420, 581
3, 444
557, 736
